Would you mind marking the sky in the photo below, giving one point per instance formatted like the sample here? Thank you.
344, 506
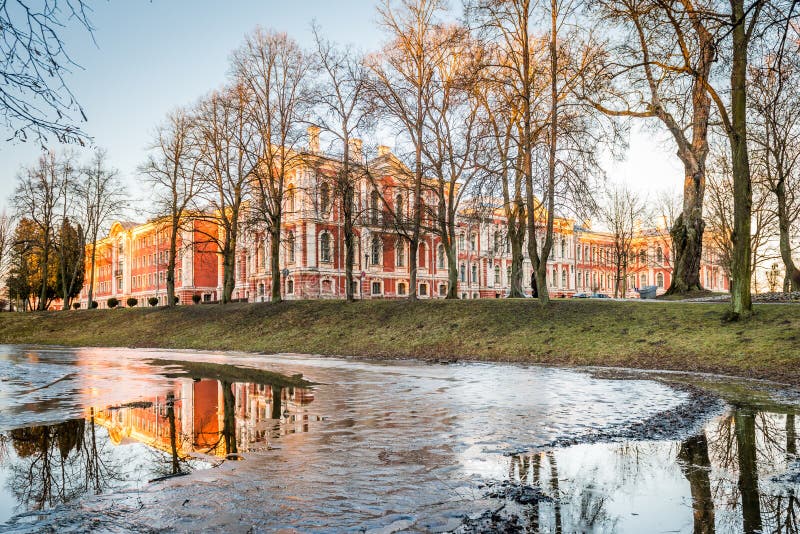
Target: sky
146, 58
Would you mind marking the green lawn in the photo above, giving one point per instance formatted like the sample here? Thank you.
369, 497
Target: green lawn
652, 335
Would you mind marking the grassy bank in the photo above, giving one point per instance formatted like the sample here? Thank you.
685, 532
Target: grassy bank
653, 335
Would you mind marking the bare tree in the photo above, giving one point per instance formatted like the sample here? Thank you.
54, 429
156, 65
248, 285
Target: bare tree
272, 73
172, 169
345, 111
35, 99
451, 137
775, 97
225, 140
103, 197
660, 68
6, 249
622, 212
36, 198
70, 242
400, 78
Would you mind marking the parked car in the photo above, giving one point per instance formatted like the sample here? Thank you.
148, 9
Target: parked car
581, 296
600, 296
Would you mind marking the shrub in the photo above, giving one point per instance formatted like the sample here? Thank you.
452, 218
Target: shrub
153, 301
196, 299
131, 302
112, 302
76, 305
94, 305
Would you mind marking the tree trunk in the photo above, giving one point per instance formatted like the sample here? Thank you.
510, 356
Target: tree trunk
349, 236
452, 271
45, 259
173, 442
229, 418
742, 306
275, 265
745, 428
687, 237
228, 272
413, 249
173, 249
792, 278
515, 284
696, 467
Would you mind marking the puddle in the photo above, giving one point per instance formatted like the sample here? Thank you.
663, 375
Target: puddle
117, 439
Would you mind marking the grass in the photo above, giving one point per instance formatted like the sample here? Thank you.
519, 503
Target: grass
649, 335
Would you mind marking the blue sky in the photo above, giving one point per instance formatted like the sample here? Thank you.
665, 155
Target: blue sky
152, 56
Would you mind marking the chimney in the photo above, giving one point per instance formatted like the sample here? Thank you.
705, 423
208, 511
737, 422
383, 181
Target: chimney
383, 150
355, 149
313, 139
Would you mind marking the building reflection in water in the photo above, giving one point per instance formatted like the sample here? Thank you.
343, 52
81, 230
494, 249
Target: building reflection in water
197, 422
742, 475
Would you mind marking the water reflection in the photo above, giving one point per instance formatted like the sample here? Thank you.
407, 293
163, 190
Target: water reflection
197, 423
736, 470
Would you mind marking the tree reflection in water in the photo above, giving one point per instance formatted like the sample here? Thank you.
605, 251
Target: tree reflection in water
196, 420
57, 463
733, 470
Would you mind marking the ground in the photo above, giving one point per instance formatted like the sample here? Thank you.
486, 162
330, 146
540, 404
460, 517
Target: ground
649, 335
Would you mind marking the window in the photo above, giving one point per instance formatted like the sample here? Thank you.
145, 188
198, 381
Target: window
472, 242
374, 199
564, 278
508, 275
462, 273
324, 199
376, 288
659, 256
290, 198
290, 244
555, 279
660, 279
442, 290
461, 242
400, 253
398, 207
563, 248
474, 274
290, 286
375, 251
325, 247
440, 256
497, 275
401, 288
578, 250
423, 290
422, 252
643, 280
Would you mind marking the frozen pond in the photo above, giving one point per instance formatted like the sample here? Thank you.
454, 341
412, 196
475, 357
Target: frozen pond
122, 439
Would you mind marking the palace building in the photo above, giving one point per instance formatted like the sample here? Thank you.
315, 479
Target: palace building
132, 259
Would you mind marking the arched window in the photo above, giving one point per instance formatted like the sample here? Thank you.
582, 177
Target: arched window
563, 248
421, 255
398, 207
290, 286
440, 256
374, 207
290, 246
472, 242
290, 199
401, 288
325, 247
642, 280
659, 255
660, 279
375, 251
564, 278
400, 253
555, 278
462, 273
497, 275
324, 199
578, 251
474, 274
